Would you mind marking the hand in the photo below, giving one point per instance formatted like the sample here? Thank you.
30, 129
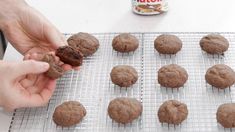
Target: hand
38, 57
27, 30
23, 84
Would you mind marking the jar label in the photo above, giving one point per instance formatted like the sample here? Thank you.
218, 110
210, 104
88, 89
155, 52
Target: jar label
149, 7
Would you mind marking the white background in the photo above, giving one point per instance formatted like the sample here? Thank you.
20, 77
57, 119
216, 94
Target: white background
73, 16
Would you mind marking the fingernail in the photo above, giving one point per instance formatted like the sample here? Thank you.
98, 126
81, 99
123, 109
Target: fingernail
45, 65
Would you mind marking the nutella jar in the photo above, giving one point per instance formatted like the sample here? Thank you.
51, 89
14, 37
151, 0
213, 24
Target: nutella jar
149, 7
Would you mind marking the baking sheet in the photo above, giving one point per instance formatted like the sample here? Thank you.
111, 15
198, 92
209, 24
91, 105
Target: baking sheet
93, 88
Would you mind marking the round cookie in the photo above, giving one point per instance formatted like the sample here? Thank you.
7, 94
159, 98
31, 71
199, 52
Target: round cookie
69, 113
84, 42
54, 71
124, 75
172, 76
172, 112
167, 44
125, 43
214, 44
220, 76
124, 110
226, 115
70, 55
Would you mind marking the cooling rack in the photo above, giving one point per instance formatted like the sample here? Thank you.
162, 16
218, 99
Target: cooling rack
93, 88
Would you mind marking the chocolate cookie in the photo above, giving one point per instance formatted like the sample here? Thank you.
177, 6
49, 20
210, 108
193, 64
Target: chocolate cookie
214, 44
226, 115
220, 76
172, 76
124, 76
172, 112
70, 55
54, 71
84, 42
69, 113
167, 44
125, 43
124, 110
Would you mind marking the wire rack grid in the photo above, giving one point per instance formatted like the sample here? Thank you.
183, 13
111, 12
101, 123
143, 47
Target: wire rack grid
93, 88
202, 100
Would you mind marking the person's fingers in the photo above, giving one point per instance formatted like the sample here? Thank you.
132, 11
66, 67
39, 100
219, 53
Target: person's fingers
36, 56
54, 36
39, 56
40, 83
26, 57
43, 97
67, 67
76, 68
28, 67
28, 81
17, 98
33, 56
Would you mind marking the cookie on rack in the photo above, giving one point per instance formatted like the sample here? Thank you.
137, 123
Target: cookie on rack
124, 110
172, 112
220, 76
226, 115
125, 43
69, 113
172, 76
70, 55
167, 44
124, 75
214, 44
55, 70
86, 43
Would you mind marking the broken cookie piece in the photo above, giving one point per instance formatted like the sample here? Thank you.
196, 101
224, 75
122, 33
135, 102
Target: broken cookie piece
70, 55
54, 71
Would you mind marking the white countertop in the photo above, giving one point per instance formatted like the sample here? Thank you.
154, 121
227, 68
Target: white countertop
72, 16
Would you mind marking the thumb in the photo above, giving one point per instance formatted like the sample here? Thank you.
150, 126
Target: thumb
54, 36
29, 67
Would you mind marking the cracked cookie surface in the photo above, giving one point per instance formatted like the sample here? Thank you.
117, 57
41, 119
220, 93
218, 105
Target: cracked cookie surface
124, 110
220, 76
125, 43
124, 75
214, 44
167, 44
69, 113
86, 43
172, 112
226, 115
172, 76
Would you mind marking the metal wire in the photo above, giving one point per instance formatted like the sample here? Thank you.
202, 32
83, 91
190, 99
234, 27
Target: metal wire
93, 88
202, 100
